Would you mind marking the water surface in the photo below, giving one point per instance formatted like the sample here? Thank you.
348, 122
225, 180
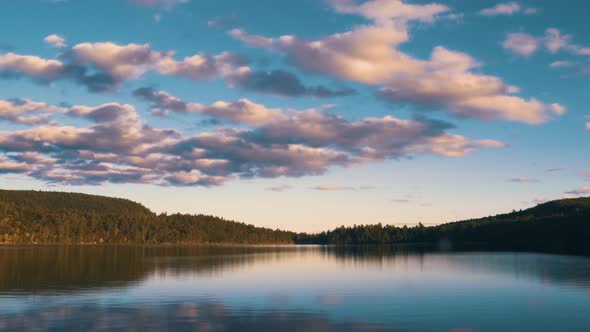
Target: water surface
303, 288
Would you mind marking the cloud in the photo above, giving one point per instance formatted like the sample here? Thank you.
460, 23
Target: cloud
104, 66
334, 187
161, 102
125, 62
164, 3
373, 137
120, 62
539, 200
118, 146
331, 187
524, 180
508, 8
280, 188
587, 117
521, 44
370, 54
385, 10
239, 111
7, 166
34, 66
554, 42
560, 64
580, 191
55, 41
283, 83
26, 112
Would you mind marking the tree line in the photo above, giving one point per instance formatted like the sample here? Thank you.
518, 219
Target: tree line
561, 226
71, 218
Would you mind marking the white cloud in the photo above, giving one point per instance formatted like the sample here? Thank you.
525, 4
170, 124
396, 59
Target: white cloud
396, 10
554, 41
370, 54
121, 62
508, 8
560, 64
31, 65
55, 41
240, 111
103, 66
521, 44
26, 111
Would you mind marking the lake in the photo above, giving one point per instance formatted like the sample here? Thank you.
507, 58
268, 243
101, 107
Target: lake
289, 288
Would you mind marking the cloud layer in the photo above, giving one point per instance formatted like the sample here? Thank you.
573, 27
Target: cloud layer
118, 146
104, 66
370, 54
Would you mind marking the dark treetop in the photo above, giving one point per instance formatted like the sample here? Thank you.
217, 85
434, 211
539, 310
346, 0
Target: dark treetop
55, 217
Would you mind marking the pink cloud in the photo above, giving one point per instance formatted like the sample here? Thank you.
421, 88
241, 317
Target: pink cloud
370, 54
118, 146
579, 191
521, 44
55, 41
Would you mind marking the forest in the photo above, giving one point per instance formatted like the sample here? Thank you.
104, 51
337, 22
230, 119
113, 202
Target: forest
72, 218
35, 217
561, 226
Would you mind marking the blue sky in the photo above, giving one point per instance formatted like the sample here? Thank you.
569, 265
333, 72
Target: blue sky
302, 115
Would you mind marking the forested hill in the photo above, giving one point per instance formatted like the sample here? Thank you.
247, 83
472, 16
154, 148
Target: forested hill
57, 217
557, 226
58, 201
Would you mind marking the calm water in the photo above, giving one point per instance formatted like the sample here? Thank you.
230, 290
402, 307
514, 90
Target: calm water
127, 288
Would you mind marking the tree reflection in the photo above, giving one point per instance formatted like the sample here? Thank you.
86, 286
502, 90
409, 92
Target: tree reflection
70, 268
81, 268
189, 316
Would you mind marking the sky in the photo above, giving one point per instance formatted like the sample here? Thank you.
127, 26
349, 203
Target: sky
301, 115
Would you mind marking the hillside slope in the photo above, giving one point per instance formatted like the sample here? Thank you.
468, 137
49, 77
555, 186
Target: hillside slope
57, 217
557, 226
